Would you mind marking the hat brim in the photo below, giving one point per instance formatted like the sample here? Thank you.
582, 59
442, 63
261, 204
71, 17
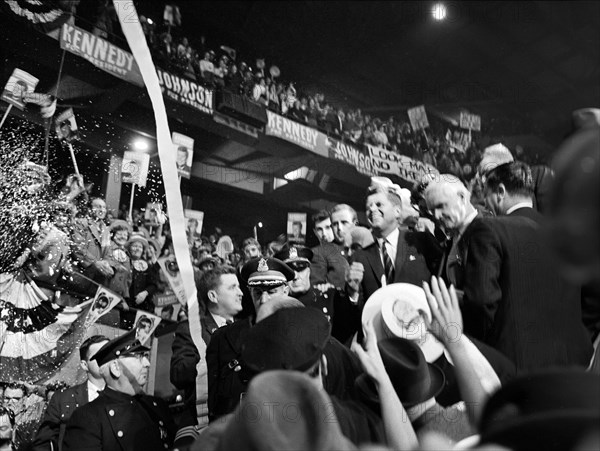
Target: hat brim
368, 391
373, 310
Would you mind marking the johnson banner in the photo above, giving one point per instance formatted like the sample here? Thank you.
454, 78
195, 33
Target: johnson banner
185, 91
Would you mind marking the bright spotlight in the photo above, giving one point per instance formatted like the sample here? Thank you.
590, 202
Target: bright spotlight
150, 22
438, 11
140, 144
260, 224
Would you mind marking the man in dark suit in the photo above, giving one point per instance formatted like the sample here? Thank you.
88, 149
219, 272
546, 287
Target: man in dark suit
396, 255
123, 417
449, 201
515, 299
220, 300
328, 263
63, 403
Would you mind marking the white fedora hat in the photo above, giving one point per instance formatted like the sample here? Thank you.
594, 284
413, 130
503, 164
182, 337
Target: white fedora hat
395, 310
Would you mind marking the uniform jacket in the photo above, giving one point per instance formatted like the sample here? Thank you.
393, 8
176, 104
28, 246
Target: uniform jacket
417, 256
515, 297
119, 422
184, 359
60, 408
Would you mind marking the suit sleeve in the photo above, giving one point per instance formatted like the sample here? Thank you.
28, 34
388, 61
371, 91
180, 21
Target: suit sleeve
79, 436
318, 268
49, 430
482, 279
212, 366
184, 359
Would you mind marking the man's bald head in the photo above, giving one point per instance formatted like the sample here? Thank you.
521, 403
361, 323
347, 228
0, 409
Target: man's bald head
449, 201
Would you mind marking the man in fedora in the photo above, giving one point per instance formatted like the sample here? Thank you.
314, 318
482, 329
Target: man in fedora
295, 339
123, 416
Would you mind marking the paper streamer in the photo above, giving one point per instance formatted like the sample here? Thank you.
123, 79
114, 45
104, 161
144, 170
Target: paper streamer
132, 30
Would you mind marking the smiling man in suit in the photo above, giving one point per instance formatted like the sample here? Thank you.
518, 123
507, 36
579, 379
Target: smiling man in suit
63, 403
396, 255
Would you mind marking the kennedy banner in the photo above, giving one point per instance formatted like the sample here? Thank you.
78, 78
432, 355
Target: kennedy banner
185, 91
470, 121
296, 133
100, 53
352, 156
19, 84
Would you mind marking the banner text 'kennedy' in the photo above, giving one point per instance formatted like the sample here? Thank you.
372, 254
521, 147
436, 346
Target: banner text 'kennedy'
100, 53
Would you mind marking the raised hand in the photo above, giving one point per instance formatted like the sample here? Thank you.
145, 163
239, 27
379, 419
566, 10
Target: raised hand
447, 323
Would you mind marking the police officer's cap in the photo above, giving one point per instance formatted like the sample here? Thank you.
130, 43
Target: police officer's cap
289, 339
121, 346
266, 272
297, 257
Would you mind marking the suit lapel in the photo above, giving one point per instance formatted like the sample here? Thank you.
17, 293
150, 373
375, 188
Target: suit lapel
375, 262
95, 232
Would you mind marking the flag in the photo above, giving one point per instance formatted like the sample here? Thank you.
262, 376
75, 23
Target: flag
45, 16
37, 336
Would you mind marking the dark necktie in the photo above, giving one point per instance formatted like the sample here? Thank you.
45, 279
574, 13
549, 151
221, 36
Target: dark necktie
388, 266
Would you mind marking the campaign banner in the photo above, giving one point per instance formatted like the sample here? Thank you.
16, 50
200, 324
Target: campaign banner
296, 133
185, 154
135, 168
470, 121
383, 161
66, 126
413, 170
145, 324
185, 91
19, 84
418, 118
100, 53
104, 301
296, 228
194, 219
170, 268
352, 156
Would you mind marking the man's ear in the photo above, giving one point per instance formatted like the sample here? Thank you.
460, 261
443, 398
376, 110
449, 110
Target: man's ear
212, 296
115, 369
84, 365
501, 190
286, 289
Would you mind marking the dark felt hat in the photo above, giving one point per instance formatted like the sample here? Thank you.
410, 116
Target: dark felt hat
297, 257
121, 346
289, 339
553, 410
266, 272
414, 380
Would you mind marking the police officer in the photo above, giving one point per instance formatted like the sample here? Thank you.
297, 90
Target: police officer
267, 279
343, 314
122, 417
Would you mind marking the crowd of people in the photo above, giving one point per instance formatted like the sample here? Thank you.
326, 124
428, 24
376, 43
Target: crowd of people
453, 292
463, 313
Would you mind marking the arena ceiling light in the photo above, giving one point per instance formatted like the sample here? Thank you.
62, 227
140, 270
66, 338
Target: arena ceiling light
141, 145
439, 11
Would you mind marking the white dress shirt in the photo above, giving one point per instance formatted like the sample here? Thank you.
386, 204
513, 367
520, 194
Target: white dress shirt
93, 390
